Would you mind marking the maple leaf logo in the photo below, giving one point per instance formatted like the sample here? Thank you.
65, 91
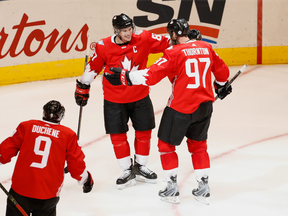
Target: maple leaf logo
126, 64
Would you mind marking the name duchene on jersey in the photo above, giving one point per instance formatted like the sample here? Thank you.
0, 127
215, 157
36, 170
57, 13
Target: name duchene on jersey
45, 130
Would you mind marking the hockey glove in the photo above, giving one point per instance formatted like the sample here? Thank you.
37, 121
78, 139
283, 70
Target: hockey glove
81, 93
120, 74
113, 78
88, 185
222, 90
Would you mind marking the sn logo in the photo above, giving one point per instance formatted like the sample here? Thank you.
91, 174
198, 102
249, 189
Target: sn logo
166, 13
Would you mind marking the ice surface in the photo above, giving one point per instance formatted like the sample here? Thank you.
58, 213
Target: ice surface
247, 143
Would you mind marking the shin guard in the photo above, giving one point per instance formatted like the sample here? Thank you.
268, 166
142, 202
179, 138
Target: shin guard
199, 154
168, 156
142, 142
120, 145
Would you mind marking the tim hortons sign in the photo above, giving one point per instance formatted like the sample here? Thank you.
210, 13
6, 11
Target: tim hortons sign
38, 35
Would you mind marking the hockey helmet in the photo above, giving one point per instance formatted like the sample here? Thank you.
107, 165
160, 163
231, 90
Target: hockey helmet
179, 26
53, 111
122, 21
194, 34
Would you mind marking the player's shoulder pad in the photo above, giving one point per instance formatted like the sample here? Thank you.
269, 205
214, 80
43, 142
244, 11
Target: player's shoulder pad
67, 129
138, 32
106, 40
204, 43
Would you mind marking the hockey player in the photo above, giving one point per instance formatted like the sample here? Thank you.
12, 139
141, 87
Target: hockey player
43, 147
127, 49
189, 66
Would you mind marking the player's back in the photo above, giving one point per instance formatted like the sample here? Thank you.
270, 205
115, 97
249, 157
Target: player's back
192, 75
41, 159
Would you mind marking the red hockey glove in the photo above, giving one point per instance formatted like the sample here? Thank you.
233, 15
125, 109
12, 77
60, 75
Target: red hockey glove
222, 90
88, 185
120, 75
81, 93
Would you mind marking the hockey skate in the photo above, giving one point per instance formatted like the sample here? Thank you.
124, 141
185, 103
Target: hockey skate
126, 179
171, 192
202, 193
144, 174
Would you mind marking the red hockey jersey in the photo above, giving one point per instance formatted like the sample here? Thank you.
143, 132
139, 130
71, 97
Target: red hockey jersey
189, 67
43, 148
132, 56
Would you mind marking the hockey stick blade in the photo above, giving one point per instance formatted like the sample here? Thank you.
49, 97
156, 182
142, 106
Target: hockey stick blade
234, 77
11, 198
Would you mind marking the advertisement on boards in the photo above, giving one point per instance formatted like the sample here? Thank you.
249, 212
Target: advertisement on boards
49, 39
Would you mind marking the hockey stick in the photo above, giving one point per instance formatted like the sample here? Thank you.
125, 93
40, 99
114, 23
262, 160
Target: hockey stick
234, 77
80, 111
81, 107
13, 201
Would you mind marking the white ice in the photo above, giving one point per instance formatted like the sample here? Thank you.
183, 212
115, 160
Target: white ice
247, 143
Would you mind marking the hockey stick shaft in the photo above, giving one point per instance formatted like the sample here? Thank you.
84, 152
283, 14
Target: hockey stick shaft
11, 198
233, 78
81, 107
80, 112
